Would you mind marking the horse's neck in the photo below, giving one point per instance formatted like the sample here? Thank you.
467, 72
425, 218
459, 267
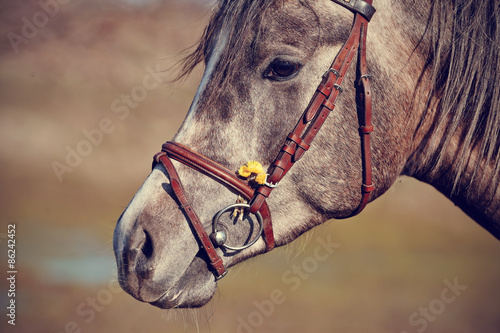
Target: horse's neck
444, 150
476, 192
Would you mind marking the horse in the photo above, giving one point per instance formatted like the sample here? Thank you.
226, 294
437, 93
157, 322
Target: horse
428, 71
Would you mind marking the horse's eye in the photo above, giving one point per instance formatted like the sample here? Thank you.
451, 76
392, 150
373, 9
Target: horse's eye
281, 70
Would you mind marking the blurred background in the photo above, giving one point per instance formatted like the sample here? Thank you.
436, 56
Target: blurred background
411, 262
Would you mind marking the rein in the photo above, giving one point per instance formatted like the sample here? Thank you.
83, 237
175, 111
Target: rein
296, 144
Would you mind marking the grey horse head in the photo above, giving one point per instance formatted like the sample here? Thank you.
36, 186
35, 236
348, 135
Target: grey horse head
263, 62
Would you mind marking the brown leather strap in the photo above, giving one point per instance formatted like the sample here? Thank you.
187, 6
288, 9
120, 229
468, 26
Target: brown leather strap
365, 121
205, 242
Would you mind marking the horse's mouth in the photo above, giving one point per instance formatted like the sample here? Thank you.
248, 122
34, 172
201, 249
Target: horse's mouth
185, 298
194, 288
166, 301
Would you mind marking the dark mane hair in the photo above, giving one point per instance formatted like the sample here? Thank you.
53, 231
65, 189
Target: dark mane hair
464, 74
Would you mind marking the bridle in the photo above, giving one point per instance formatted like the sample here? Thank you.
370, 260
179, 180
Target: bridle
296, 144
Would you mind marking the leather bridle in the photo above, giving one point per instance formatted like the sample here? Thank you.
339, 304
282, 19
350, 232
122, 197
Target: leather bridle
296, 143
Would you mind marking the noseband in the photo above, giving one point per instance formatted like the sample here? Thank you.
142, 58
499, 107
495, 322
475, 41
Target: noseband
296, 144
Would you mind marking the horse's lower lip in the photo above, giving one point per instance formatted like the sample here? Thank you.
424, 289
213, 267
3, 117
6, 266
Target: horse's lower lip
168, 302
160, 300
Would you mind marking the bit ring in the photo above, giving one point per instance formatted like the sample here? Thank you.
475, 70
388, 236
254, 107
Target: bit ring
221, 238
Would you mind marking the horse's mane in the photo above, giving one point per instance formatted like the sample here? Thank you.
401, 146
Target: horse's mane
464, 76
238, 18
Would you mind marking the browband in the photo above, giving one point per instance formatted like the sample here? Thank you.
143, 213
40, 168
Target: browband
358, 6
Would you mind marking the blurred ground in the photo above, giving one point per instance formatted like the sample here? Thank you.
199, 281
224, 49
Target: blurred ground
412, 262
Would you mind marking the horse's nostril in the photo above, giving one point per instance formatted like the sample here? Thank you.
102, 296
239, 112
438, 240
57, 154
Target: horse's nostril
147, 246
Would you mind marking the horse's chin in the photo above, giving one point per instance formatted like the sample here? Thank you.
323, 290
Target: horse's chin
193, 289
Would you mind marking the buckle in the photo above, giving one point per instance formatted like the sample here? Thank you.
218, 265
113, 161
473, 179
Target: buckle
220, 276
339, 88
270, 185
332, 70
364, 76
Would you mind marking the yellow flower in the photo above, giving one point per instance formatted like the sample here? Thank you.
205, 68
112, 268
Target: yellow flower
243, 171
249, 168
261, 178
253, 168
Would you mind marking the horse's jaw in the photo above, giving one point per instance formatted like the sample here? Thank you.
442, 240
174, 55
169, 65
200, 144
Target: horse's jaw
158, 263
